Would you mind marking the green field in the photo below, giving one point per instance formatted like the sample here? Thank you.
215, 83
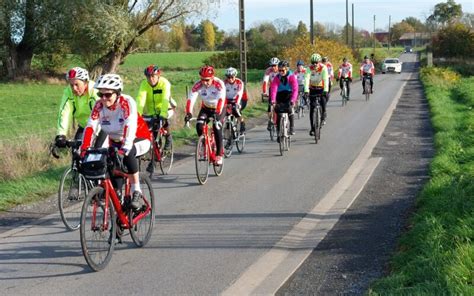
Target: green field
167, 60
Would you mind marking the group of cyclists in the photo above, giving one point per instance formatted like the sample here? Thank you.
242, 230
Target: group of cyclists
101, 110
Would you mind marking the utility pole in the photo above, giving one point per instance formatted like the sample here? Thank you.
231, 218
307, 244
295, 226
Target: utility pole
352, 26
242, 43
311, 25
347, 22
374, 34
389, 32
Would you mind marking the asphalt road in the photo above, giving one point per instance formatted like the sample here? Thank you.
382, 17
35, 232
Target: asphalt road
245, 232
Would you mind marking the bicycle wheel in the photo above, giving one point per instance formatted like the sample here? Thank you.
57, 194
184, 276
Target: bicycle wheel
167, 156
281, 135
218, 169
240, 143
228, 140
141, 230
317, 124
72, 192
97, 229
148, 161
202, 160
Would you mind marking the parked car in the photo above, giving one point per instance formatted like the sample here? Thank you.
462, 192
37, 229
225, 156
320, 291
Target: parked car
408, 49
392, 65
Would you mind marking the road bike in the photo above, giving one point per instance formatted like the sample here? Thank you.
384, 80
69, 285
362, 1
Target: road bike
317, 118
73, 187
284, 138
272, 127
344, 91
206, 152
231, 133
106, 211
158, 154
367, 86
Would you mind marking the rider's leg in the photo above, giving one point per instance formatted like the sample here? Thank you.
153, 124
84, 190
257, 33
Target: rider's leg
218, 134
348, 85
323, 102
312, 106
363, 85
168, 136
291, 116
371, 84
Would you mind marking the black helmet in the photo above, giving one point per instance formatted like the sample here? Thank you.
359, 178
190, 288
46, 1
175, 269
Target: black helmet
283, 64
366, 57
344, 59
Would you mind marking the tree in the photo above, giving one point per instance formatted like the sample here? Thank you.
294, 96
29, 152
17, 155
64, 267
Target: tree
416, 24
177, 40
209, 35
455, 40
111, 28
282, 25
31, 27
301, 29
399, 29
468, 20
445, 13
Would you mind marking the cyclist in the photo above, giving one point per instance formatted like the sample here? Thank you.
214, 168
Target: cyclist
301, 75
154, 102
116, 114
328, 64
284, 93
345, 71
318, 85
234, 88
212, 92
367, 71
77, 102
268, 77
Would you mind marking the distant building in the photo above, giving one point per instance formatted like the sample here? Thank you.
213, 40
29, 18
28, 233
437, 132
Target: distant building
382, 37
415, 39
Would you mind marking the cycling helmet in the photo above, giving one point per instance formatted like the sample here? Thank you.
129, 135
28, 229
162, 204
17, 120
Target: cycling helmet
109, 81
206, 72
283, 64
274, 61
366, 57
77, 73
230, 72
315, 58
344, 59
299, 63
152, 69
325, 59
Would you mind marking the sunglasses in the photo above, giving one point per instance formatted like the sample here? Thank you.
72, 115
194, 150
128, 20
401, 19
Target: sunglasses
206, 80
106, 95
282, 70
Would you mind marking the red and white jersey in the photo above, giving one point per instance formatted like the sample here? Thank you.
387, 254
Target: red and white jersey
120, 122
234, 91
345, 70
301, 76
212, 97
267, 79
367, 68
330, 70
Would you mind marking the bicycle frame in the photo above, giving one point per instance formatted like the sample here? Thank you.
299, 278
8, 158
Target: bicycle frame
111, 194
209, 140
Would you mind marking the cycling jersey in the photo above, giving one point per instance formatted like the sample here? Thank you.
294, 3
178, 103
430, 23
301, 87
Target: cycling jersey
318, 77
345, 70
121, 122
330, 70
287, 83
75, 107
212, 97
302, 78
234, 91
154, 100
268, 78
367, 68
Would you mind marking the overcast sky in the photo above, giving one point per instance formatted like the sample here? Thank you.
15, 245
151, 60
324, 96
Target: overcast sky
328, 11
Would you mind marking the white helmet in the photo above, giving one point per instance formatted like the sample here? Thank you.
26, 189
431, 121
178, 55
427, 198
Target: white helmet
231, 72
274, 61
77, 73
109, 81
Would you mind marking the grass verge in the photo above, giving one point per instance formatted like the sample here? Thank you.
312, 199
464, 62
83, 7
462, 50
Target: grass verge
436, 254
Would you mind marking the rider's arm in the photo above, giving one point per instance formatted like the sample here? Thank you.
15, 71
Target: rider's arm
266, 82
240, 91
141, 96
166, 97
325, 77
294, 88
274, 88
221, 100
92, 126
65, 113
372, 70
192, 97
130, 123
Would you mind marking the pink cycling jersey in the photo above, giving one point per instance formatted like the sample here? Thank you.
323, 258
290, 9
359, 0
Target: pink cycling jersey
212, 97
292, 86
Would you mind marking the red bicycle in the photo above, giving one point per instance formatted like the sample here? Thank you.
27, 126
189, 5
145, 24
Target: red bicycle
157, 153
206, 152
106, 212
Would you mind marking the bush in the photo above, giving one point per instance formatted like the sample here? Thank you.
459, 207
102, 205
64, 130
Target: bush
454, 41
